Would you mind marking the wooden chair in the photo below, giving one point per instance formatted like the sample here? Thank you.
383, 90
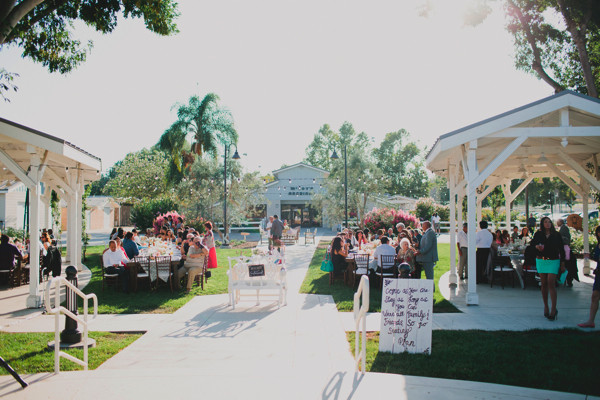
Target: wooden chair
502, 265
109, 279
163, 271
143, 269
201, 278
387, 269
361, 267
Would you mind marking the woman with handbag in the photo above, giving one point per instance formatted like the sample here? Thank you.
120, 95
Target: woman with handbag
596, 288
339, 252
550, 252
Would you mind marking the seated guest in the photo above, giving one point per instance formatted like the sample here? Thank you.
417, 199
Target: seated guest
360, 239
339, 252
8, 253
131, 248
114, 260
149, 232
345, 237
391, 232
524, 234
113, 234
384, 249
406, 254
515, 234
498, 237
367, 233
136, 237
194, 261
120, 246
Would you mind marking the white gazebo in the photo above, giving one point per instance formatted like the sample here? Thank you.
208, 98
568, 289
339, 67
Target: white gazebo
34, 158
558, 136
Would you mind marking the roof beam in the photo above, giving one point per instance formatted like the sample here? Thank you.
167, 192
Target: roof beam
561, 131
581, 171
16, 169
568, 181
498, 160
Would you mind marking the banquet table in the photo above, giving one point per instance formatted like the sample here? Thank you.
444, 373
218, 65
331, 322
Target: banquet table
516, 257
159, 248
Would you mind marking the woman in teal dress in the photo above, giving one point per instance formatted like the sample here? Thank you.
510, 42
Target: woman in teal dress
550, 251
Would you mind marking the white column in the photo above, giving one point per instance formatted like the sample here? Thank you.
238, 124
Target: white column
479, 215
507, 197
472, 298
459, 203
78, 226
586, 227
71, 227
453, 279
34, 300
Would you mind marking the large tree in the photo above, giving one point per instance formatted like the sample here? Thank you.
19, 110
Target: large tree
401, 162
557, 40
365, 179
44, 29
205, 124
139, 177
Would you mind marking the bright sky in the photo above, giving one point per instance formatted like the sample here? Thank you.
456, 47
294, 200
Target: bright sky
284, 68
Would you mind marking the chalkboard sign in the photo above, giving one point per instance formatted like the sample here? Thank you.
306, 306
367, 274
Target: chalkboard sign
256, 270
406, 316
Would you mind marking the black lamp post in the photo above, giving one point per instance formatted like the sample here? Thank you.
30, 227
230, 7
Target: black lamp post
334, 156
236, 156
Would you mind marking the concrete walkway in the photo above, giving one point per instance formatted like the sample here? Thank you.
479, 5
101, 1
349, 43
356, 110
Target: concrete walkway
206, 349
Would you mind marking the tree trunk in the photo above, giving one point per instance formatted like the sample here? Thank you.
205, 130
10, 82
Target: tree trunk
578, 35
14, 15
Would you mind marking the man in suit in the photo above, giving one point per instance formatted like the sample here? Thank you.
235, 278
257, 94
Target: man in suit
427, 254
276, 229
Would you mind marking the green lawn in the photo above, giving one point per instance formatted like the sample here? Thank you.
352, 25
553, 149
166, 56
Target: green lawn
563, 360
28, 353
317, 282
111, 301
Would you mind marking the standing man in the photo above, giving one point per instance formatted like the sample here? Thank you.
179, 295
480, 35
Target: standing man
427, 254
463, 244
276, 230
268, 230
531, 222
484, 243
8, 253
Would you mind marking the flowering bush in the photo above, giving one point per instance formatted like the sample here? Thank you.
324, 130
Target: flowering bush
384, 218
161, 219
197, 223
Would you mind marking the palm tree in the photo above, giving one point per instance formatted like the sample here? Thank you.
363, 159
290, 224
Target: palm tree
206, 123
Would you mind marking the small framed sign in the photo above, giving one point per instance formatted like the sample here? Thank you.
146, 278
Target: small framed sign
256, 270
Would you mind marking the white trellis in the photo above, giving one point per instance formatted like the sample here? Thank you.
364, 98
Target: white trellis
554, 137
33, 158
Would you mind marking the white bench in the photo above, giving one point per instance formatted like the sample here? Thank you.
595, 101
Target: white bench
246, 274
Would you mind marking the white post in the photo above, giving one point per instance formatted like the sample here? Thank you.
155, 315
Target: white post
586, 227
78, 213
507, 201
72, 227
34, 300
479, 212
453, 279
472, 298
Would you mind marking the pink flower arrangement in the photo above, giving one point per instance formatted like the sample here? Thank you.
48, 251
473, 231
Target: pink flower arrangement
384, 218
160, 220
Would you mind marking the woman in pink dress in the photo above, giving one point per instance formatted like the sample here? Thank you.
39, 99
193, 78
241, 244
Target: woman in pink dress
209, 243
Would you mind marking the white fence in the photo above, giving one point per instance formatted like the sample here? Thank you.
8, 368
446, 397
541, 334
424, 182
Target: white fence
360, 318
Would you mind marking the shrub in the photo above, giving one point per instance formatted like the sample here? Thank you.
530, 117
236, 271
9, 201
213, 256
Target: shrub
443, 212
424, 208
14, 233
384, 218
143, 214
486, 214
197, 223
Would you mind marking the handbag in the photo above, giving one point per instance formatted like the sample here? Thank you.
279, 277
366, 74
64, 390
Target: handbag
326, 264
